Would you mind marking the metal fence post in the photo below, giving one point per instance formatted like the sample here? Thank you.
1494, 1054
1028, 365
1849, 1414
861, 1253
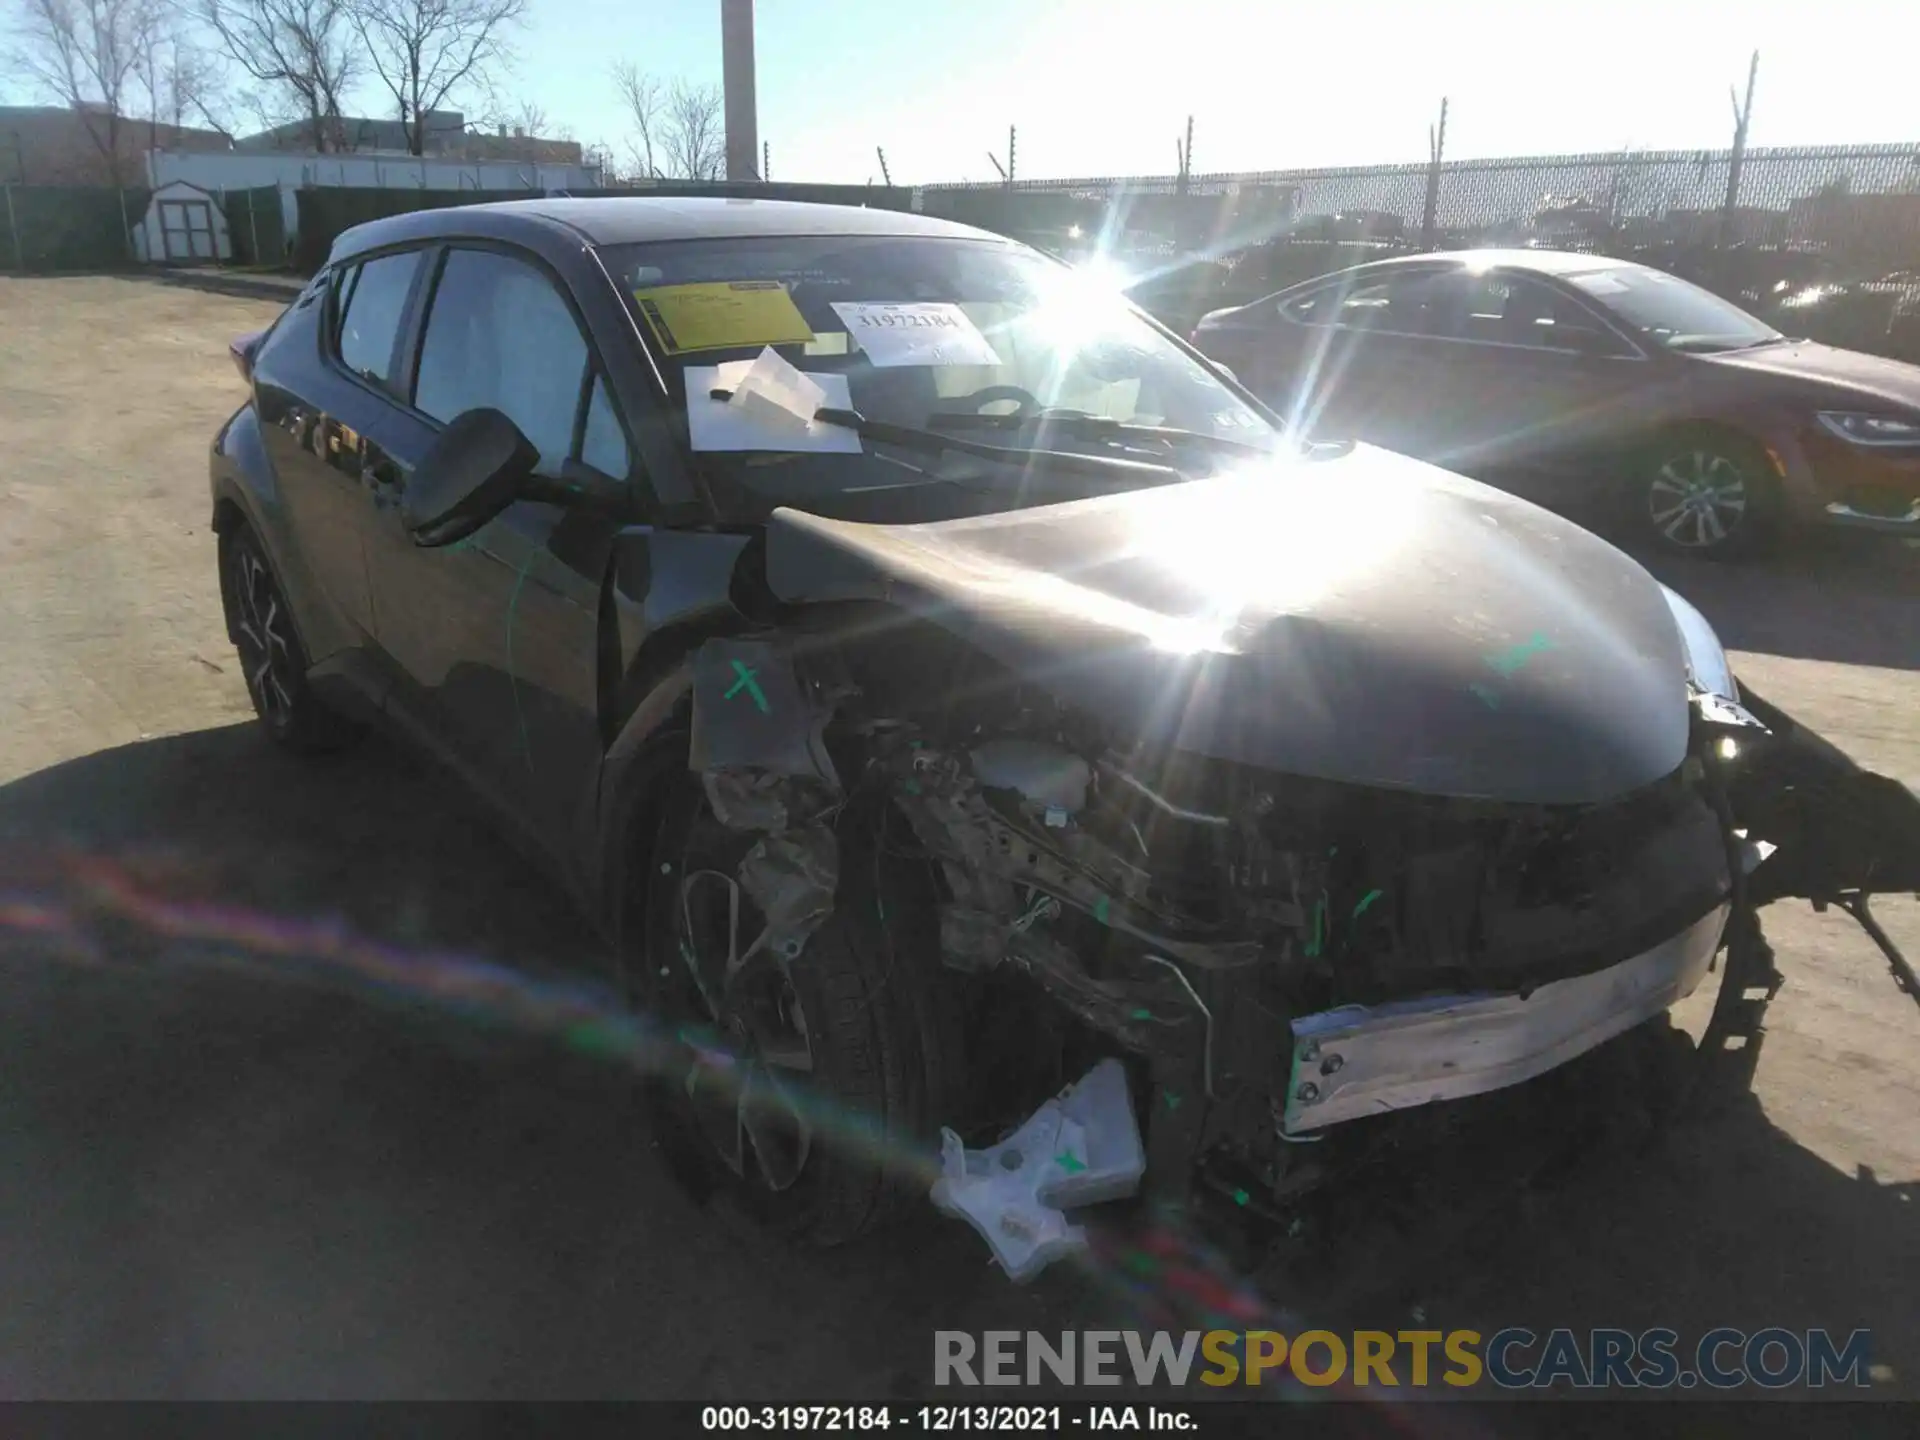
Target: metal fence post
1742, 120
253, 227
1437, 148
126, 229
13, 229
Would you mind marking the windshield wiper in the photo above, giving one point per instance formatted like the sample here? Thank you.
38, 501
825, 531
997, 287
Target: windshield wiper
932, 442
1100, 427
909, 437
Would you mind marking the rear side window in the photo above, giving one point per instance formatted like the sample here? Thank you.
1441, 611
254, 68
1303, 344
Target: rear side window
501, 337
1409, 302
372, 299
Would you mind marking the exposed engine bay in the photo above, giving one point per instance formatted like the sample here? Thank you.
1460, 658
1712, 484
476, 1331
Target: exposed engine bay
1307, 877
1214, 924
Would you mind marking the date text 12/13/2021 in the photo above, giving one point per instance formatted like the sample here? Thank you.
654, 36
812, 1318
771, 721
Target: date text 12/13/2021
945, 1419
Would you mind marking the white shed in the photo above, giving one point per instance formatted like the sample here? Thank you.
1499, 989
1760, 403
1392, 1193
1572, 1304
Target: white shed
184, 225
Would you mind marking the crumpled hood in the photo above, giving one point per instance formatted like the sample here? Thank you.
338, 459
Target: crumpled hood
1366, 619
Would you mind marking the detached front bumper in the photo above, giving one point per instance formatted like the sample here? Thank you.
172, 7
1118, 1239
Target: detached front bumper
1366, 1060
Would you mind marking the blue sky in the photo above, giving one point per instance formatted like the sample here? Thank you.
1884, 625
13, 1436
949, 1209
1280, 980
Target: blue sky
1104, 86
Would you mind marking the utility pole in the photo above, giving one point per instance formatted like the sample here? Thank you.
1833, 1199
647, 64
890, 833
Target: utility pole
885, 174
1436, 149
1742, 118
1186, 158
736, 74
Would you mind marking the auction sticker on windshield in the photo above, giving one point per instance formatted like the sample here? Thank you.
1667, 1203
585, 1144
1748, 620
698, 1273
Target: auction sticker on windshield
722, 315
914, 333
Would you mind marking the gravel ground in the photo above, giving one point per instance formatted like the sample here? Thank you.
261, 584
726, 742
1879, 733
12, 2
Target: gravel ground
220, 1184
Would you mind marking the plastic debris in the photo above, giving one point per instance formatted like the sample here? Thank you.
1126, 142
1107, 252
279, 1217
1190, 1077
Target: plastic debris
1080, 1148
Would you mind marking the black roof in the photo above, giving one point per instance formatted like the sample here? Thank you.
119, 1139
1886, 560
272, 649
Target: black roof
624, 219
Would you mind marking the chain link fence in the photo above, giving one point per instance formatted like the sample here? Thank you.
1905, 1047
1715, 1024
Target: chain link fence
257, 226
1822, 240
61, 227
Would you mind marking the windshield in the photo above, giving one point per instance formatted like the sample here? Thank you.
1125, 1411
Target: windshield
924, 332
1668, 311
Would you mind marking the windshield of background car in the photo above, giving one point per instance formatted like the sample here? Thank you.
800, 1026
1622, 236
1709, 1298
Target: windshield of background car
1667, 311
922, 329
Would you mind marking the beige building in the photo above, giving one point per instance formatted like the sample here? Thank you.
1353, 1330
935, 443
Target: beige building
446, 135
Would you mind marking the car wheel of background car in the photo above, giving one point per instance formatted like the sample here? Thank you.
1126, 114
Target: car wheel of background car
1703, 493
272, 660
813, 1086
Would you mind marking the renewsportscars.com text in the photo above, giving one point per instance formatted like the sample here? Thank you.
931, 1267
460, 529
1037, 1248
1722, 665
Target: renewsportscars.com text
1512, 1359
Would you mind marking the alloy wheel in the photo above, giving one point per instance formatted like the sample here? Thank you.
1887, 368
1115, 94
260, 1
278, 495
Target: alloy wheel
1697, 499
266, 651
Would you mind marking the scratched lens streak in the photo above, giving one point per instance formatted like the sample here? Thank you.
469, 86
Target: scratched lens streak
1154, 1265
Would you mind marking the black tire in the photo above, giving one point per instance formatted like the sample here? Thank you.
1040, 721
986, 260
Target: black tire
881, 1024
272, 660
1703, 493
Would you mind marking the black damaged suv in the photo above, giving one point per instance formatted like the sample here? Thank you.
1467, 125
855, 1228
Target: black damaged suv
1008, 686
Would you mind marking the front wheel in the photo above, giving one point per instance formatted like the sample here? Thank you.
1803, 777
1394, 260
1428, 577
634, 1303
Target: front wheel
1703, 495
812, 1084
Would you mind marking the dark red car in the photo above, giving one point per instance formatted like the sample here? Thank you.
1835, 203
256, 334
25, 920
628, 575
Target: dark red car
1597, 387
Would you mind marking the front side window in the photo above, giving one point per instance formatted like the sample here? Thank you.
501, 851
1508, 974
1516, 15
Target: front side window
1504, 309
603, 444
1670, 312
924, 329
499, 336
369, 305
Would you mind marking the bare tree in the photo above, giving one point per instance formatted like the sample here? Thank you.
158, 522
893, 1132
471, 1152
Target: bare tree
518, 117
91, 55
183, 84
645, 100
678, 128
598, 155
696, 137
425, 50
299, 52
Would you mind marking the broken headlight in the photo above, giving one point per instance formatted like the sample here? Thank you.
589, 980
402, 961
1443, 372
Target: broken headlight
1707, 665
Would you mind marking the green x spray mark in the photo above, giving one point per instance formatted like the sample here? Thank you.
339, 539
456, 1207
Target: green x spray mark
747, 683
1069, 1162
1510, 660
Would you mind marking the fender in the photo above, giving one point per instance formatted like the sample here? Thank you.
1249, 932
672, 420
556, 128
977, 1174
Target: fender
672, 590
246, 490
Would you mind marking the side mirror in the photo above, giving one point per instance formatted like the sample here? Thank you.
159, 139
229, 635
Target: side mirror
480, 464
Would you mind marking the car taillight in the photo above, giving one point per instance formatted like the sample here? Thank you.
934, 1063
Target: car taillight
241, 351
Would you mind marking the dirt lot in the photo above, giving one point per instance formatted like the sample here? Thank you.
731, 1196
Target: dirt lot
217, 1185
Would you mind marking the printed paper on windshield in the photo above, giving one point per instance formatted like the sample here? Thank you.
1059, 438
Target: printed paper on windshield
722, 425
914, 333
722, 315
